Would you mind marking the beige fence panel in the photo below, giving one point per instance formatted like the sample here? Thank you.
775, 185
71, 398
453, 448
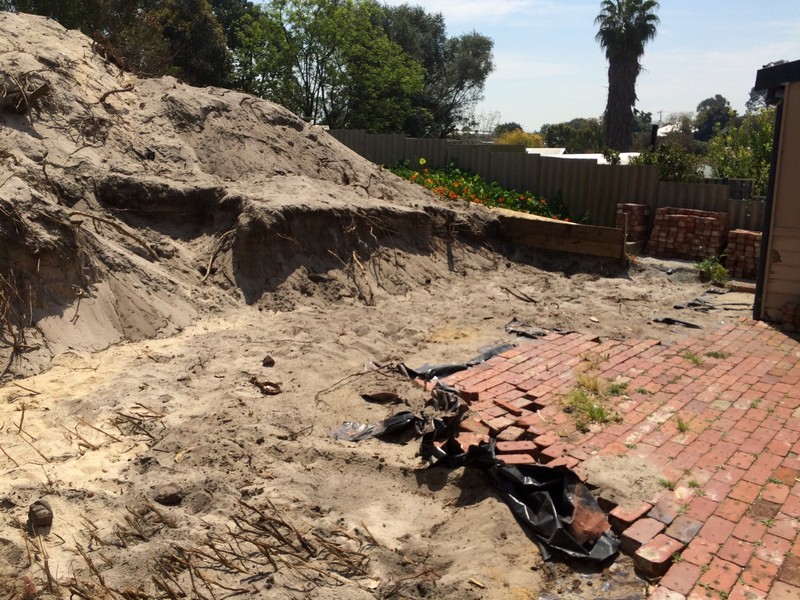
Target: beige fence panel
434, 151
700, 196
746, 214
589, 190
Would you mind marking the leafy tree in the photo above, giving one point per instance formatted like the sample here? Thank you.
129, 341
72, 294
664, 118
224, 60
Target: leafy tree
577, 136
196, 40
455, 68
506, 128
517, 137
229, 13
625, 26
744, 151
713, 115
152, 37
329, 62
674, 163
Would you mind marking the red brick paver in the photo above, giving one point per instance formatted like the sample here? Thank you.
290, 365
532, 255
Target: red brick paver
718, 413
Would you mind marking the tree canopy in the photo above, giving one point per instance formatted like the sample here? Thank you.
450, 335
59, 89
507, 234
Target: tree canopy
577, 136
344, 63
456, 68
624, 27
713, 115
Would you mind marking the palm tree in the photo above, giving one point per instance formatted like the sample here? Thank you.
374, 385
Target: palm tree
625, 26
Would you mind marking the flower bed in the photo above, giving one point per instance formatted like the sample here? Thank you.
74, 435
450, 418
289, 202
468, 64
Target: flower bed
457, 185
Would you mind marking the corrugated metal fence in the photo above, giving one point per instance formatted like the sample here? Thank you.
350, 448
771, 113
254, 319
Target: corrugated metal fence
588, 189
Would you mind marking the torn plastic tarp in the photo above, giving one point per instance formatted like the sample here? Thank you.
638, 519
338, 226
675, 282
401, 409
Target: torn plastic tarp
552, 502
530, 331
429, 372
671, 321
355, 432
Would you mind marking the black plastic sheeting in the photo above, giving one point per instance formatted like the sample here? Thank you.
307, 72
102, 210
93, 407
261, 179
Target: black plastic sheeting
429, 372
552, 503
350, 431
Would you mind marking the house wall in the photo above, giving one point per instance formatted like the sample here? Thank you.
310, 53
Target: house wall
782, 273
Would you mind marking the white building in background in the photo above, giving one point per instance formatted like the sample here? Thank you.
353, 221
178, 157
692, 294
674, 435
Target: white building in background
561, 153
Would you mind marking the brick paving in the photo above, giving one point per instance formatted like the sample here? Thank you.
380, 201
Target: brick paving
718, 413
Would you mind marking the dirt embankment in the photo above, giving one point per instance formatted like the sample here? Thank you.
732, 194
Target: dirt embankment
156, 242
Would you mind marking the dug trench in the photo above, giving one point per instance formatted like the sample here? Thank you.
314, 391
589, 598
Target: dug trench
158, 243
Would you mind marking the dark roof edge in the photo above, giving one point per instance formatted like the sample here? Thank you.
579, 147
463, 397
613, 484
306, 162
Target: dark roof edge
770, 78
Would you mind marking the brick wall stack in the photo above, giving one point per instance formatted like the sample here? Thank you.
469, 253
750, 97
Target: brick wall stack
688, 233
790, 317
741, 257
638, 221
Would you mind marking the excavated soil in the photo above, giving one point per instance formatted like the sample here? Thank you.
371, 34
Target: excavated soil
157, 243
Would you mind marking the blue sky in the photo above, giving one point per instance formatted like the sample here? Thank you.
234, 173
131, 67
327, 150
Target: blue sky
549, 69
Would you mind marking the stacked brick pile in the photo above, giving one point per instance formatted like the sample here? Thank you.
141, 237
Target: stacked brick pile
742, 254
638, 217
688, 233
790, 316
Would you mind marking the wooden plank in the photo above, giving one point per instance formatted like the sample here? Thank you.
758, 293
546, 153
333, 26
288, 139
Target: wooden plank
547, 234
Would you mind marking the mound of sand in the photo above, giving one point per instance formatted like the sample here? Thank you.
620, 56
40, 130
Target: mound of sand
157, 241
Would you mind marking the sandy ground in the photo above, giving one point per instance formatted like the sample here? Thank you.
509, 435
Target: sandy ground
158, 242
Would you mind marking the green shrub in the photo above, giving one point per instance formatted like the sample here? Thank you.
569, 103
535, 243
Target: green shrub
711, 269
520, 138
674, 163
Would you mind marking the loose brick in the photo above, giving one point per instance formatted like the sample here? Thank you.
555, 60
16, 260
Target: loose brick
655, 557
517, 459
473, 426
497, 424
638, 534
516, 447
511, 433
665, 510
624, 516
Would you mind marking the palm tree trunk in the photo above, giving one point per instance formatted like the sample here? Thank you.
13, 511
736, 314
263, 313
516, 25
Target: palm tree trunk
622, 74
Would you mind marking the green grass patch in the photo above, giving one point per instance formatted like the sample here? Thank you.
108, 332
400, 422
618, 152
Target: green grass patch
588, 402
692, 357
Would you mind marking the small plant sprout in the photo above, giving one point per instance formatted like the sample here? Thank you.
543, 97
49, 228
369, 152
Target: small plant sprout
694, 484
683, 426
666, 483
617, 388
692, 357
719, 355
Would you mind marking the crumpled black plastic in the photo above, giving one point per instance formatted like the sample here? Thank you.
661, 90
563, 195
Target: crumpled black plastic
428, 372
355, 432
546, 500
